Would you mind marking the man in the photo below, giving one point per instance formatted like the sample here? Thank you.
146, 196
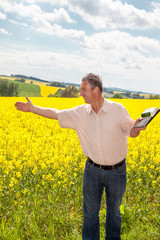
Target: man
103, 127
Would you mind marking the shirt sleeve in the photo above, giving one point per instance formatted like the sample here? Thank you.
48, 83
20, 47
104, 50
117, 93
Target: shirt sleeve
68, 118
127, 122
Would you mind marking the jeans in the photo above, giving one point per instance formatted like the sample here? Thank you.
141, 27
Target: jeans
94, 182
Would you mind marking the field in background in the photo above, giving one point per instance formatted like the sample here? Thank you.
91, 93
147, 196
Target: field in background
27, 89
27, 80
32, 88
46, 90
41, 171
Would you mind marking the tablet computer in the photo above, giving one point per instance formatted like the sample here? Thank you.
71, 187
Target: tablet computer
147, 116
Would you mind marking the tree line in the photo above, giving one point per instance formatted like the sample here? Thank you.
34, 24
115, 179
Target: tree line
68, 92
12, 89
28, 77
134, 96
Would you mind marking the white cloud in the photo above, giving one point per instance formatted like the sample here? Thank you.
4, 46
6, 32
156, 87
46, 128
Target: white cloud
113, 47
100, 14
117, 56
52, 2
34, 11
67, 34
2, 16
17, 23
121, 49
5, 32
46, 65
111, 14
44, 21
49, 65
60, 15
6, 5
27, 11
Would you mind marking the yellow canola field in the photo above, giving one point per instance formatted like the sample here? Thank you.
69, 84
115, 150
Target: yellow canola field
37, 147
47, 90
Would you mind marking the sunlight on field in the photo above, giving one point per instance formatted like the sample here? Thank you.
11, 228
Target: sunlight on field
8, 78
41, 168
46, 90
36, 82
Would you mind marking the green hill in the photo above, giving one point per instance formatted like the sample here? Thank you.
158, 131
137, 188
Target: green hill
27, 89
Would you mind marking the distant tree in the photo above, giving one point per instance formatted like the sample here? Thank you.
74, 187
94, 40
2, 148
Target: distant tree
57, 84
111, 92
37, 79
70, 91
128, 94
3, 87
20, 80
8, 89
137, 96
117, 95
154, 96
19, 76
108, 90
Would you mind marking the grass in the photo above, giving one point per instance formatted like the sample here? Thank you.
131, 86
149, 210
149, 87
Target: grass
28, 89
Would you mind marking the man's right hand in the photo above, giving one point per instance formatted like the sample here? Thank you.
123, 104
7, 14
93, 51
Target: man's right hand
24, 107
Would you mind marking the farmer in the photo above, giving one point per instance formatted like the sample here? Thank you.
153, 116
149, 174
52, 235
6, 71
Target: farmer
103, 127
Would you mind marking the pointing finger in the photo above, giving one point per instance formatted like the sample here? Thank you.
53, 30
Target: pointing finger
28, 99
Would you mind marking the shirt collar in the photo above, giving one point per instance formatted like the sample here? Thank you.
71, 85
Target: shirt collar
104, 107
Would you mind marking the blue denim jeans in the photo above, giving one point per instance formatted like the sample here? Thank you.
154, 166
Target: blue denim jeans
94, 182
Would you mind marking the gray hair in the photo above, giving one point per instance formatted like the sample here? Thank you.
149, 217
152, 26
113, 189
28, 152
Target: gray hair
94, 81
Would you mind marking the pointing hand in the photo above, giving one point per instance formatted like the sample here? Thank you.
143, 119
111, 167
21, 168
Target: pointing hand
24, 107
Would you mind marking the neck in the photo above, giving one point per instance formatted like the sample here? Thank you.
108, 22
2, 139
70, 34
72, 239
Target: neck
98, 103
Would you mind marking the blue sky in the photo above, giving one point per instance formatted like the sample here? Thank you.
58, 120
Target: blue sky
62, 40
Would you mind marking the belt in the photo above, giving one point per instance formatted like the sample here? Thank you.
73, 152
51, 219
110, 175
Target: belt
107, 167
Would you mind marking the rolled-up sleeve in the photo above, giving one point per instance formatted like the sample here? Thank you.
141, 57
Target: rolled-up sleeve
68, 118
127, 122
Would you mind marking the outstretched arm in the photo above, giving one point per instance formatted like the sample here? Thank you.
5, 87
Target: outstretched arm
29, 107
136, 131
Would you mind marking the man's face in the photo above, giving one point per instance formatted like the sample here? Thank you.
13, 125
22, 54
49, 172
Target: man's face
87, 92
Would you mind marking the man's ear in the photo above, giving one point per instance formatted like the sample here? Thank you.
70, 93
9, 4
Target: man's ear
96, 90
